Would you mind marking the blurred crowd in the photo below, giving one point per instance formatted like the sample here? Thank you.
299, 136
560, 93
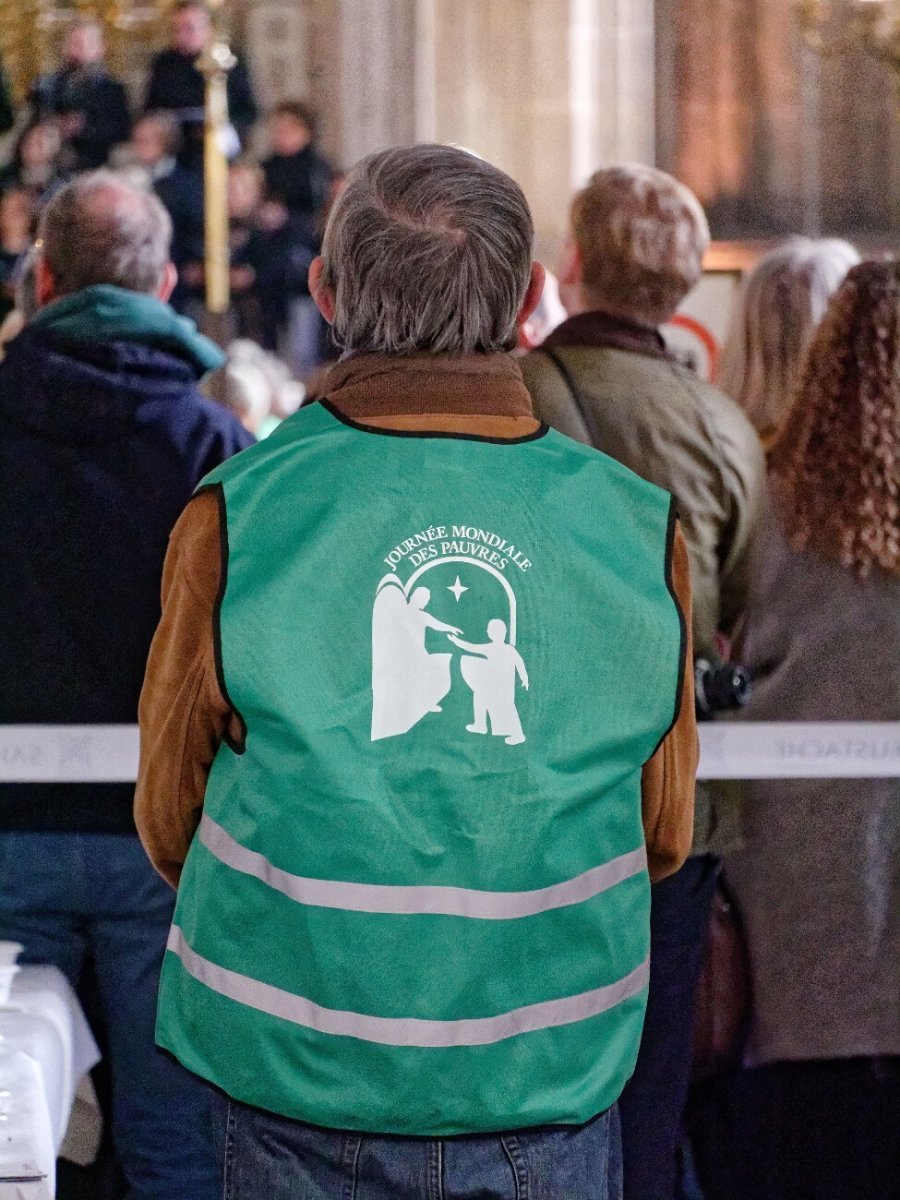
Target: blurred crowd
78, 119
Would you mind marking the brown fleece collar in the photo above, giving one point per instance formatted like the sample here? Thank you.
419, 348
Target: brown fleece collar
381, 385
602, 331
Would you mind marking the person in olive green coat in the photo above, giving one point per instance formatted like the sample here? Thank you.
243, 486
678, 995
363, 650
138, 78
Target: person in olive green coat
605, 377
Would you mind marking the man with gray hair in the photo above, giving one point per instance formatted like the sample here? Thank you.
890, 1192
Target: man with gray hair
635, 249
103, 437
401, 932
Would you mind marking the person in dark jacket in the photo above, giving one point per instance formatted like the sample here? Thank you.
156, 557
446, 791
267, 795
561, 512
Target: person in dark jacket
270, 253
103, 438
297, 174
604, 376
176, 84
155, 146
89, 102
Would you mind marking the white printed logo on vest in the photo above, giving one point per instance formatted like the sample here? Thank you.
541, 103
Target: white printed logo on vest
457, 593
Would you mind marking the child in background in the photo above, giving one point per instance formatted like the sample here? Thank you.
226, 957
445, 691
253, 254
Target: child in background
298, 177
270, 254
36, 162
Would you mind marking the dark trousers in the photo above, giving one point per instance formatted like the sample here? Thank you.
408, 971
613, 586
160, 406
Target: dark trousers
824, 1130
652, 1105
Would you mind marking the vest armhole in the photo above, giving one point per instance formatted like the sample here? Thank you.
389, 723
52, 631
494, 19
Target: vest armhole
671, 527
236, 746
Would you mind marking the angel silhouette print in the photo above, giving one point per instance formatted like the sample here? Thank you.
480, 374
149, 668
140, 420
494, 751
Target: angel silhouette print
408, 682
491, 674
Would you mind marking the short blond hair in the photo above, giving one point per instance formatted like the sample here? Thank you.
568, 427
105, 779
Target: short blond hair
642, 236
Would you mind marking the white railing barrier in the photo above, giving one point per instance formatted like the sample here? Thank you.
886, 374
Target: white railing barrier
800, 750
68, 753
729, 750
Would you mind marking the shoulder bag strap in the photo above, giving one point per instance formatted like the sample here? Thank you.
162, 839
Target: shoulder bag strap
584, 410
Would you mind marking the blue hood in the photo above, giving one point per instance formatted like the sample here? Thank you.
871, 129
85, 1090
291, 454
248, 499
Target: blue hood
104, 313
81, 391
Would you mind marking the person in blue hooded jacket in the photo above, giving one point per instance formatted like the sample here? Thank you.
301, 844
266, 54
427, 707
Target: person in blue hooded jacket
103, 438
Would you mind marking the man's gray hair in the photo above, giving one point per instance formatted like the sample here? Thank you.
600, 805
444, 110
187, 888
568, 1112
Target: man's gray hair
100, 229
428, 249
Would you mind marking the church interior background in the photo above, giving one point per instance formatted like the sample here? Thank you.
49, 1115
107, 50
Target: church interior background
777, 130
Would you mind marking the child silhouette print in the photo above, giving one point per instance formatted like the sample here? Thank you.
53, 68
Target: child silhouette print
491, 674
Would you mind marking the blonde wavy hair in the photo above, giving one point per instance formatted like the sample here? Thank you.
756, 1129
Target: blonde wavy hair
781, 302
836, 465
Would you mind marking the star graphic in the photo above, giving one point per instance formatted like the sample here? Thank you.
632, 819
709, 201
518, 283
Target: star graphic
457, 589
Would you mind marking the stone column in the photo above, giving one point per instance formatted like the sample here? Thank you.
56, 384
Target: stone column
278, 36
354, 59
374, 75
613, 69
547, 89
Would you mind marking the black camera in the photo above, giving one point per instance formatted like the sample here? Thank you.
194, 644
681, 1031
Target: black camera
719, 688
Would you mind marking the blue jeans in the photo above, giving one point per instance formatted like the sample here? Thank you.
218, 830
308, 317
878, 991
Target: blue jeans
68, 897
267, 1157
652, 1105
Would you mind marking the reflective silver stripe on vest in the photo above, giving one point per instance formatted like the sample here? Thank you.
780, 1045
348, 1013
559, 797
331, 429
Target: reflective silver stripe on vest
411, 901
405, 1031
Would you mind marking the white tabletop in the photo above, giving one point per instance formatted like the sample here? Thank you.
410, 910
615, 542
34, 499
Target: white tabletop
26, 1140
46, 1048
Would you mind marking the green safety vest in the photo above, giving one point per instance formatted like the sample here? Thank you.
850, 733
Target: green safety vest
417, 901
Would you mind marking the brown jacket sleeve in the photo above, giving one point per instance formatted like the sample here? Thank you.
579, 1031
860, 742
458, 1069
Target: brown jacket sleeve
183, 715
667, 784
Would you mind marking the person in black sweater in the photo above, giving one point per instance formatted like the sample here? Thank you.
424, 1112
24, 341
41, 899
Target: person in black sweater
297, 174
176, 84
270, 253
89, 103
155, 146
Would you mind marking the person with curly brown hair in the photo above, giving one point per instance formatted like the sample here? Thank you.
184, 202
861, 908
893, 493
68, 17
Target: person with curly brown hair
818, 881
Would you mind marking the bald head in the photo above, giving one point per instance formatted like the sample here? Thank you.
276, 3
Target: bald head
84, 44
100, 229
